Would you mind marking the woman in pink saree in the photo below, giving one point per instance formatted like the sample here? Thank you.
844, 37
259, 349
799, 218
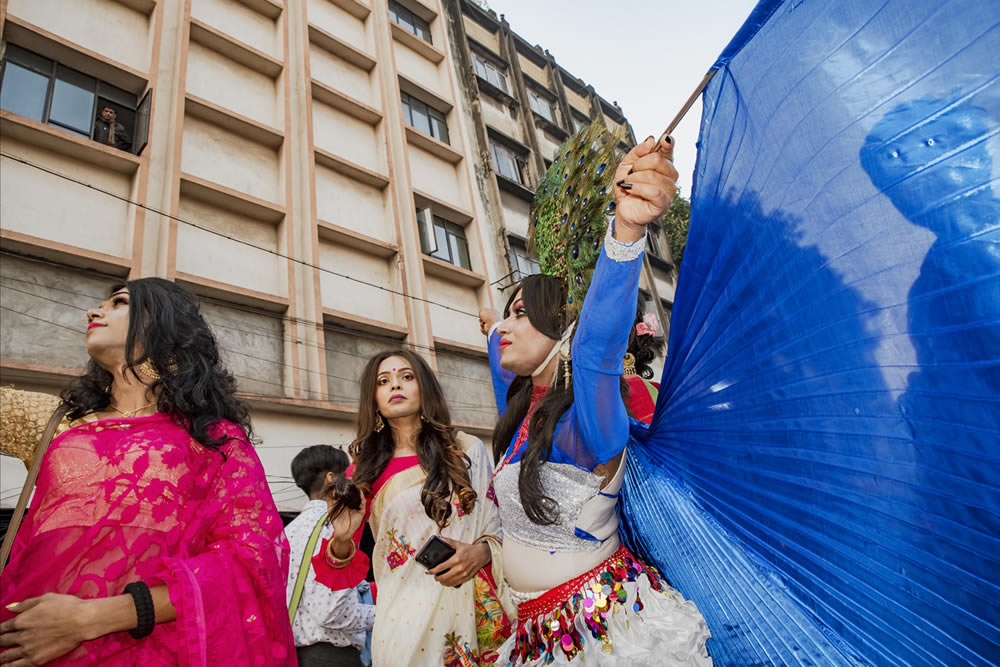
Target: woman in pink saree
151, 478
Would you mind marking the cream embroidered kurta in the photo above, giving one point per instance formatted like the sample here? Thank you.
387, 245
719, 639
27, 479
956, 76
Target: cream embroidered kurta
418, 621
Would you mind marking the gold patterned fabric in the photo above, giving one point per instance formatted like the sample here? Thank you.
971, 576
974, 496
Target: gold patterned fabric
23, 416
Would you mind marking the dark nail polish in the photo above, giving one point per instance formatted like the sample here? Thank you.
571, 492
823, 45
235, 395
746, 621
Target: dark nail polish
630, 170
625, 186
668, 139
620, 183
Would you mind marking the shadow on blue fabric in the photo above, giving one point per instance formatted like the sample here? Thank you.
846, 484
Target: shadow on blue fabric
822, 473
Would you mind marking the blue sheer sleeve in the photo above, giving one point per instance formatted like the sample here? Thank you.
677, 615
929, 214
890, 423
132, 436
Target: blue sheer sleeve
596, 428
501, 377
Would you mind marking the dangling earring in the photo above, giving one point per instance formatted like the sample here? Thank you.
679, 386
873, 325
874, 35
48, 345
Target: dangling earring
565, 357
149, 370
422, 418
629, 362
379, 424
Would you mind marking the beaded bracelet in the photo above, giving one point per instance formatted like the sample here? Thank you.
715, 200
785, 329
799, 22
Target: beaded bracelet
144, 613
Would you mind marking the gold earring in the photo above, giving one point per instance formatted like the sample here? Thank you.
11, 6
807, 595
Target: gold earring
379, 424
422, 417
147, 369
565, 358
629, 363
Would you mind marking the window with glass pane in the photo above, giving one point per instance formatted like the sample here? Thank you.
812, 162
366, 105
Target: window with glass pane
424, 118
479, 66
22, 91
452, 246
439, 126
523, 264
49, 92
487, 70
72, 106
441, 239
407, 20
540, 105
415, 113
506, 162
653, 241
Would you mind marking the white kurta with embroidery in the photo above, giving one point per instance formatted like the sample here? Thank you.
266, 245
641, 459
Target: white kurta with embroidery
419, 621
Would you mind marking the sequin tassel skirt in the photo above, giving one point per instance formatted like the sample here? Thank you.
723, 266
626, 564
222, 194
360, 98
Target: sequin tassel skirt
620, 613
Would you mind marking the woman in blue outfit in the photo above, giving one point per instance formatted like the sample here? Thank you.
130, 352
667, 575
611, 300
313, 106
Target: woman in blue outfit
560, 446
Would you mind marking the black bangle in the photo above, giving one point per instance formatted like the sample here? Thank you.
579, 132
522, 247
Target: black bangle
144, 612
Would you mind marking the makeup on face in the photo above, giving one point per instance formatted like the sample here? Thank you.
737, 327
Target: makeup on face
522, 346
396, 388
107, 330
111, 311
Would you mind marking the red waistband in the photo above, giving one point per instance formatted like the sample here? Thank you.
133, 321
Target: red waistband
552, 598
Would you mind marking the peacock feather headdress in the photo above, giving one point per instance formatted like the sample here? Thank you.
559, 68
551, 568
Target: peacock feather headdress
571, 210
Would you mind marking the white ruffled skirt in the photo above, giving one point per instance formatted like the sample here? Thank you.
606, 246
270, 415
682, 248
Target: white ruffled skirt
620, 613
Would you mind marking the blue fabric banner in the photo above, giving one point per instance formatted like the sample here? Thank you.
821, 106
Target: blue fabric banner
826, 446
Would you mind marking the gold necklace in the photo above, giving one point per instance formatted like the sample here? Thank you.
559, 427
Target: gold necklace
131, 413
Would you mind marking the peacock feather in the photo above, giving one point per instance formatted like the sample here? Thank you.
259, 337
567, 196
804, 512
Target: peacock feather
572, 206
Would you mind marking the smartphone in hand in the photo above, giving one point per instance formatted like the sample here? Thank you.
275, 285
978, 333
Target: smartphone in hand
434, 552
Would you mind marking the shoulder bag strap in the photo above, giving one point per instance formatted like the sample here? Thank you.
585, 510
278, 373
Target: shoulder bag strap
300, 581
29, 483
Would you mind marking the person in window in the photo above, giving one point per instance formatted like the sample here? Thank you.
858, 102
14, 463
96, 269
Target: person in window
107, 130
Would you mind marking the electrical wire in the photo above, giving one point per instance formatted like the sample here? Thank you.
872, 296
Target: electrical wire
470, 407
284, 318
232, 238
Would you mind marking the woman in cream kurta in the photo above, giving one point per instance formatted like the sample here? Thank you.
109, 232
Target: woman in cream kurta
419, 621
421, 477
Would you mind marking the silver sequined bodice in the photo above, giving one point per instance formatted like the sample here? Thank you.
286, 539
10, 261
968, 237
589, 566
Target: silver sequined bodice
571, 487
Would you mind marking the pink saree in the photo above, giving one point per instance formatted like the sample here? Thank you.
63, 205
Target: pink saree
119, 500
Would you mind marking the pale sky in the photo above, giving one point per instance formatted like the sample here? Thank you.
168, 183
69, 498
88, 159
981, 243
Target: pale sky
649, 55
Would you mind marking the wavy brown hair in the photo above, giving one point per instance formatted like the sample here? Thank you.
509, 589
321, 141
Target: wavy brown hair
438, 451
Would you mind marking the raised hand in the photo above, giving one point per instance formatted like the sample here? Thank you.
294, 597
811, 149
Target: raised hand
645, 184
487, 318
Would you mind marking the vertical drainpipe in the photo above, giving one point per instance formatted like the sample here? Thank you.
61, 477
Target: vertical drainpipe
555, 75
468, 87
508, 50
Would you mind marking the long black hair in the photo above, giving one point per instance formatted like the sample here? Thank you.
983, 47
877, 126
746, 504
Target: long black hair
543, 298
166, 328
438, 449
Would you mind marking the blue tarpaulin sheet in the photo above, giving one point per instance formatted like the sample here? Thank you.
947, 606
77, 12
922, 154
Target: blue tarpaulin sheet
821, 475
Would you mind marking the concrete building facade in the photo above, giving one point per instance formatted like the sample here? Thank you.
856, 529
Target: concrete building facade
331, 177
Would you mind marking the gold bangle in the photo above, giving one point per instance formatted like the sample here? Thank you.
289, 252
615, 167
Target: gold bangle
335, 562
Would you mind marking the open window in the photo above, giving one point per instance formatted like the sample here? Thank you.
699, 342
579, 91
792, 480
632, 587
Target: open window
424, 117
520, 260
50, 92
409, 21
443, 239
